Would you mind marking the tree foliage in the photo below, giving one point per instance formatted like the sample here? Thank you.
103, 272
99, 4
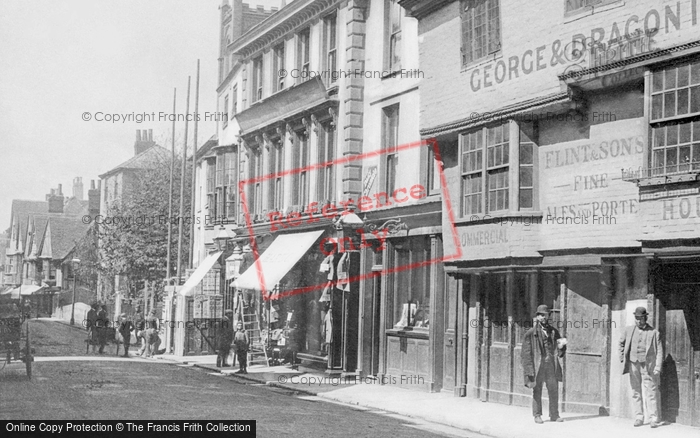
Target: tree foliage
133, 233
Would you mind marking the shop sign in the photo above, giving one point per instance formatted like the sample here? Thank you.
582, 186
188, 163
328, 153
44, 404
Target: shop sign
621, 40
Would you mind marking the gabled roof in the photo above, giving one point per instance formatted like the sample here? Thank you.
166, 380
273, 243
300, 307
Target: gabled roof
147, 159
62, 234
39, 227
21, 211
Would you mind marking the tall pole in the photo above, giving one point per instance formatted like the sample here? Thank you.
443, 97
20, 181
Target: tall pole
194, 169
182, 188
170, 194
72, 308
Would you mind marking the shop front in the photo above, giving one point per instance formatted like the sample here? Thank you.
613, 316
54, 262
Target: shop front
303, 300
198, 306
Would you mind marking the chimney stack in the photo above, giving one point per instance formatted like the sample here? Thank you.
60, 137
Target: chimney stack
78, 188
144, 141
55, 199
93, 199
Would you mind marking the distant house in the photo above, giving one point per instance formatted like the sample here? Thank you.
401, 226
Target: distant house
116, 185
40, 234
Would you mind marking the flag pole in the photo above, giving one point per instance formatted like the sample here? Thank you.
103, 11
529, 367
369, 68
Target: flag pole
194, 170
168, 273
180, 219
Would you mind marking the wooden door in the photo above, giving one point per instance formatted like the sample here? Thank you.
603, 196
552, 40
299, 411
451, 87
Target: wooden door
449, 368
680, 376
586, 326
498, 371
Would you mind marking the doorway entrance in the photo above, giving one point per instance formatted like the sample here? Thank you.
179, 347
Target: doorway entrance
678, 319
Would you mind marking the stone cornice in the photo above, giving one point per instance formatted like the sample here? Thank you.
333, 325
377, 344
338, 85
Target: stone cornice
274, 28
421, 8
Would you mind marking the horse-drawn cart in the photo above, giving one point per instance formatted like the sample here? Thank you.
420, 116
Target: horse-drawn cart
15, 346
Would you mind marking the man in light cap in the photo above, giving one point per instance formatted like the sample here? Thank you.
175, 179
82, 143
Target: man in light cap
641, 353
542, 348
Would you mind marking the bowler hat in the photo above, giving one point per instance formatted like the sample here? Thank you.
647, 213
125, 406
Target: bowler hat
542, 309
640, 311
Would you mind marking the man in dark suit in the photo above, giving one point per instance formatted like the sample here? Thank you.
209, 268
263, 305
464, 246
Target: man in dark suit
542, 348
641, 353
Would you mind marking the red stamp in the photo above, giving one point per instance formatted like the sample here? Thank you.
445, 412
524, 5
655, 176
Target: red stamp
364, 237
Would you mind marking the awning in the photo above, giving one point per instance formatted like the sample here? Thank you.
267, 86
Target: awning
30, 290
198, 274
276, 261
11, 293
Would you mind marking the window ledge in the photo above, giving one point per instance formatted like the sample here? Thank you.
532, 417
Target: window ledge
481, 61
590, 10
500, 217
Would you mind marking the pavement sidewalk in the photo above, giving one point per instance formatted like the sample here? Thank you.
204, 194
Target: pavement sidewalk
469, 414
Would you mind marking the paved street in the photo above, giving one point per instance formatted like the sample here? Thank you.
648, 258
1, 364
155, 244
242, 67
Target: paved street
106, 387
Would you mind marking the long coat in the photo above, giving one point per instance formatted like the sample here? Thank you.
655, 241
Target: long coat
534, 348
224, 334
654, 349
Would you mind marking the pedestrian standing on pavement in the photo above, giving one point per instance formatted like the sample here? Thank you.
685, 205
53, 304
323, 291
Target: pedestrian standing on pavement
241, 343
641, 353
102, 328
124, 334
224, 338
542, 348
140, 326
91, 326
150, 336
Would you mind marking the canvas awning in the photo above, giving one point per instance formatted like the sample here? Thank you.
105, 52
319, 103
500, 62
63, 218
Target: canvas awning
276, 261
198, 274
30, 290
11, 293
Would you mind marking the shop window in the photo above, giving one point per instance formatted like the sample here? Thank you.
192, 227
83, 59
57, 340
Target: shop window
675, 119
481, 29
522, 312
485, 166
497, 307
326, 154
390, 139
275, 202
278, 55
330, 39
303, 51
392, 44
412, 286
257, 79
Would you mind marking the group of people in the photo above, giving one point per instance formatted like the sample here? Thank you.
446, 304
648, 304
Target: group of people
228, 337
97, 326
640, 351
144, 330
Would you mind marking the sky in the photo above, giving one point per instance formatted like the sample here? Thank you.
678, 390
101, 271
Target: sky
61, 59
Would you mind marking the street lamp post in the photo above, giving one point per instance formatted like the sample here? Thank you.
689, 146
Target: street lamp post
72, 310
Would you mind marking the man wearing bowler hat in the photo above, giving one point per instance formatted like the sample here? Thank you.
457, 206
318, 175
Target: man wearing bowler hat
542, 348
642, 355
